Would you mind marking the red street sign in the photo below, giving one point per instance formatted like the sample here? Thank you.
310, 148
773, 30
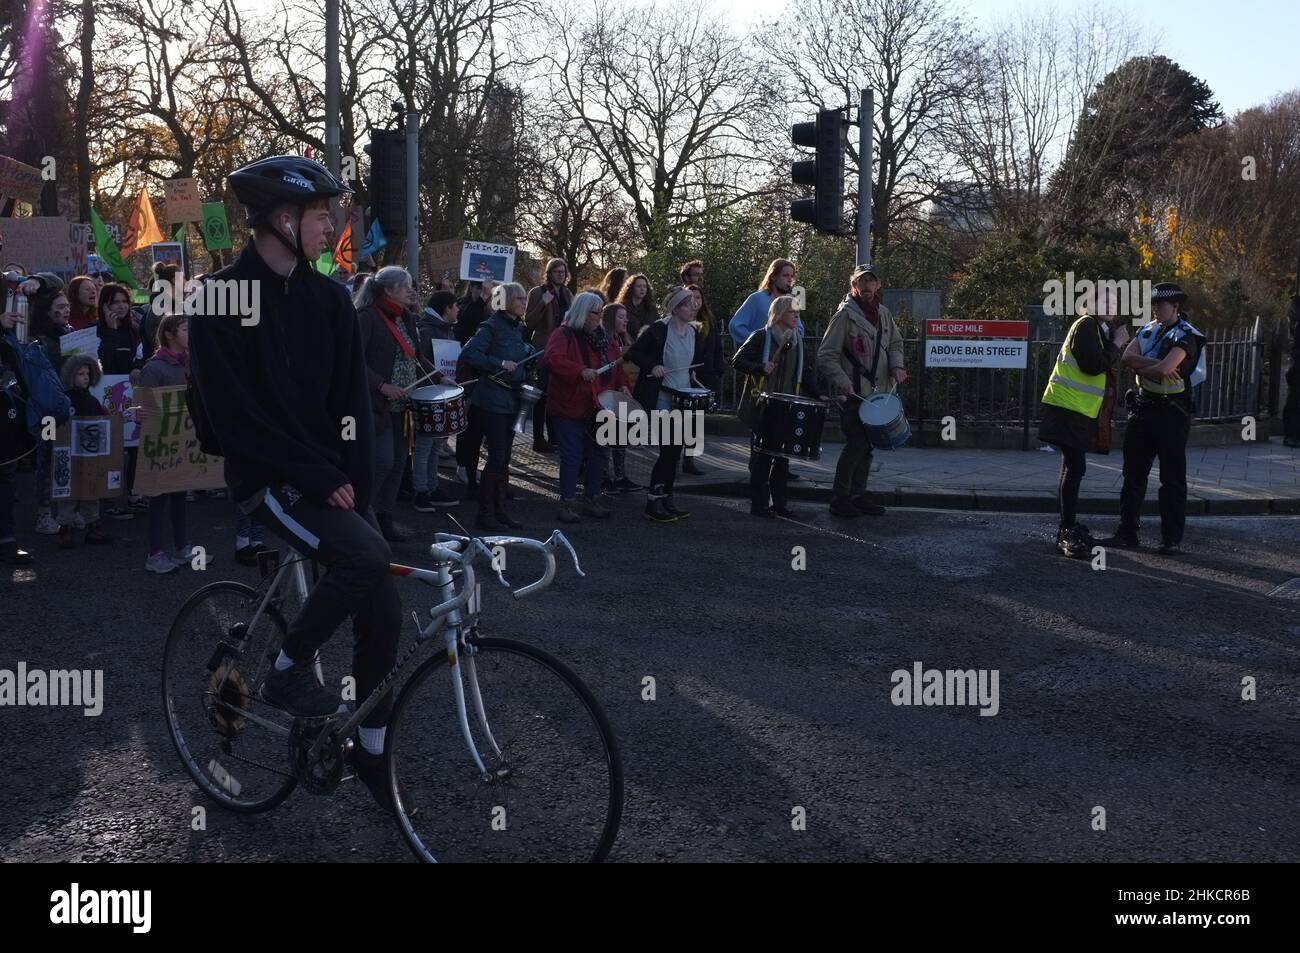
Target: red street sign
946, 327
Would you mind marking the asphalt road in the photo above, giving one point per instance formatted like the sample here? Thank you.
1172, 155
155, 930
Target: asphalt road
1118, 689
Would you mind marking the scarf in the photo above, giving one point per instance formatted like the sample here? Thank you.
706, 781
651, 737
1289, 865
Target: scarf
181, 358
870, 308
391, 311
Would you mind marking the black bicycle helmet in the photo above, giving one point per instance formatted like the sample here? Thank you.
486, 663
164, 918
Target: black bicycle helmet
262, 185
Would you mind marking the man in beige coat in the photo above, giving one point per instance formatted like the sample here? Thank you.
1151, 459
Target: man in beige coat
861, 354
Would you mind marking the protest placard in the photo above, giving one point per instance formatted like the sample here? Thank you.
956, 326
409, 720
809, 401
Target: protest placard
183, 203
39, 244
117, 395
85, 341
170, 459
88, 460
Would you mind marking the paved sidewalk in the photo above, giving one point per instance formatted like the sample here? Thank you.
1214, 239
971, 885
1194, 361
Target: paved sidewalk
1251, 478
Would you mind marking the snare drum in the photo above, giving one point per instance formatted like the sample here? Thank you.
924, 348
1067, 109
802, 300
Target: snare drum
690, 398
887, 426
613, 400
439, 410
789, 426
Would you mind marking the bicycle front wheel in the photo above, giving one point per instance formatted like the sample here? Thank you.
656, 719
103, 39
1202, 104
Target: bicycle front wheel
554, 793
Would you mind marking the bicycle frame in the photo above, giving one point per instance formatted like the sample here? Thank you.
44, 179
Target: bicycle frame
456, 615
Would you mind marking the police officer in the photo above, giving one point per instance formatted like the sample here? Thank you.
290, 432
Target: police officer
1168, 356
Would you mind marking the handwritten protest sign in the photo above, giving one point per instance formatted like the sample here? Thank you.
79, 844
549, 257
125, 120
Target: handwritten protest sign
20, 180
183, 203
445, 355
39, 244
170, 459
85, 341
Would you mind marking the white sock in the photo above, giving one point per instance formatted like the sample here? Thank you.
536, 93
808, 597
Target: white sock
241, 542
372, 739
283, 662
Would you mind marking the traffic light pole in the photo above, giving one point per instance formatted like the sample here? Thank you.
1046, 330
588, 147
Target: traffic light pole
332, 82
866, 123
413, 195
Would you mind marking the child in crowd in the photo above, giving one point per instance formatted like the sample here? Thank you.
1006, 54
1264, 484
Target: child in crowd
169, 367
79, 373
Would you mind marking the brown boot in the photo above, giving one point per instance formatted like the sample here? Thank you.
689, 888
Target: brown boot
503, 483
487, 491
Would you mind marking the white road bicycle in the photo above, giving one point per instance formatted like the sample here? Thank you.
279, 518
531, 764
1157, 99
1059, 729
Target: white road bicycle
535, 776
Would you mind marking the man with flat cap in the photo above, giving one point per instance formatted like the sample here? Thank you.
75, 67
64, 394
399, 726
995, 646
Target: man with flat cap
1168, 356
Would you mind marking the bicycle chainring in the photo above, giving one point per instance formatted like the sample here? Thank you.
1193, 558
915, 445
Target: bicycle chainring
321, 772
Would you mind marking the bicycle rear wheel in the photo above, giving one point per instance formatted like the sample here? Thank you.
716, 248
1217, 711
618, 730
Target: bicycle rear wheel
233, 744
554, 794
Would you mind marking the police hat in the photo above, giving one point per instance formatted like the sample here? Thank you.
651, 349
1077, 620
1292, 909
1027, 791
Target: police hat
1167, 291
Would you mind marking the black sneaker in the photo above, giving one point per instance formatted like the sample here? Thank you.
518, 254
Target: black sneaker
1291, 442
372, 770
1121, 541
843, 506
866, 507
673, 510
296, 691
422, 503
624, 485
441, 500
1070, 543
655, 512
690, 466
116, 512
764, 511
1171, 549
785, 512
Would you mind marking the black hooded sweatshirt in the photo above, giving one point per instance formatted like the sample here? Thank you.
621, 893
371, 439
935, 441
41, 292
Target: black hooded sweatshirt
280, 394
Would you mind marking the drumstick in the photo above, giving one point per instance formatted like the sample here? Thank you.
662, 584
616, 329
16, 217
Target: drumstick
407, 389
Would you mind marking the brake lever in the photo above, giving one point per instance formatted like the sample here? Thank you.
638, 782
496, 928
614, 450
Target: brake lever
480, 546
569, 546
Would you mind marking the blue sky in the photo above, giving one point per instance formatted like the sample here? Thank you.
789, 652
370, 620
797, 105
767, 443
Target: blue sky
1247, 51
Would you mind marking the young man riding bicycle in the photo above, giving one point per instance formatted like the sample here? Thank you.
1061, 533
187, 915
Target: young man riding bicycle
283, 397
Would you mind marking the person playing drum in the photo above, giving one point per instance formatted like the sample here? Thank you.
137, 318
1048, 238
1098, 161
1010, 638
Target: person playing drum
664, 352
860, 355
773, 360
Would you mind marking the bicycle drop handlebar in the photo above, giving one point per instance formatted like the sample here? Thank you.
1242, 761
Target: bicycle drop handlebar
448, 547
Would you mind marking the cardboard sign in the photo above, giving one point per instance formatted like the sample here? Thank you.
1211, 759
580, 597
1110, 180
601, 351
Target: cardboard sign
442, 259
38, 244
20, 180
115, 392
170, 460
95, 265
88, 459
183, 203
85, 341
445, 355
168, 253
80, 235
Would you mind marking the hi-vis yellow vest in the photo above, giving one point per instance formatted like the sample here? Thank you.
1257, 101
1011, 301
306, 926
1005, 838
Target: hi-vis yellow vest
1070, 387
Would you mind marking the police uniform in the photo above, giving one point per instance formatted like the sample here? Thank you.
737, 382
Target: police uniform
1158, 427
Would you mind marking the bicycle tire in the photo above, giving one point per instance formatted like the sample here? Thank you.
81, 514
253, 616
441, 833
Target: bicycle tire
439, 797
173, 698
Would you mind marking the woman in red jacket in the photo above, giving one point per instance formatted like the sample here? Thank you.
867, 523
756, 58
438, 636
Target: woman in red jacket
575, 352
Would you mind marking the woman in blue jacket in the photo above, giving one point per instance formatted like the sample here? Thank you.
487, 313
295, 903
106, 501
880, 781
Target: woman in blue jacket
496, 352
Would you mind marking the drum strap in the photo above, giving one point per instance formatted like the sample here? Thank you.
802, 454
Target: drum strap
858, 370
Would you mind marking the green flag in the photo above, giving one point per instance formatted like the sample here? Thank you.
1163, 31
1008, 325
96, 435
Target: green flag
216, 230
106, 249
325, 263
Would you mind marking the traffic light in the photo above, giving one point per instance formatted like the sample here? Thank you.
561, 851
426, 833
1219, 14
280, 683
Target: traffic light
386, 182
825, 210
